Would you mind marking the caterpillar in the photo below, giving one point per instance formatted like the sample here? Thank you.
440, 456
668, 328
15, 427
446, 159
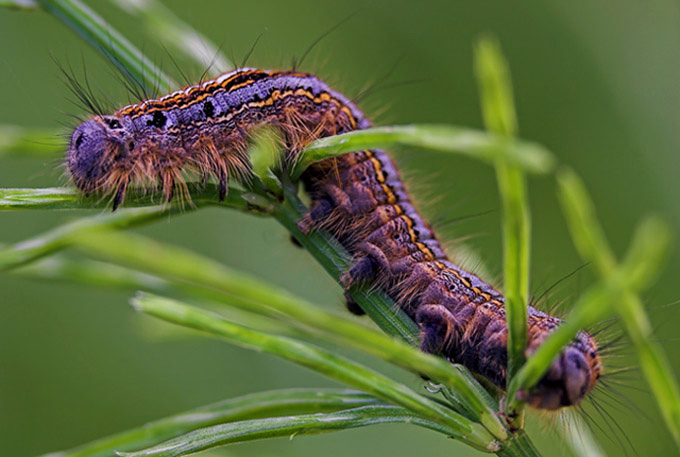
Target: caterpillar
358, 197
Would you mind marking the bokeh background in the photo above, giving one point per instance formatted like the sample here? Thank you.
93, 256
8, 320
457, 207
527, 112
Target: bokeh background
596, 82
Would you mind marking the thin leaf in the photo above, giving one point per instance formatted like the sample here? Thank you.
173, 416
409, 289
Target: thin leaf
60, 237
264, 404
476, 144
320, 360
103, 37
70, 198
498, 108
589, 238
291, 426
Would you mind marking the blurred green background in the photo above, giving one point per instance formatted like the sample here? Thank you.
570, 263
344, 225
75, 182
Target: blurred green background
596, 82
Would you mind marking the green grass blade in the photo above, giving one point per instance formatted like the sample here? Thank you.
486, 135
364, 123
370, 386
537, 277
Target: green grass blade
60, 237
101, 274
115, 47
173, 33
238, 289
221, 435
444, 138
70, 198
264, 404
92, 273
499, 117
591, 243
586, 231
320, 360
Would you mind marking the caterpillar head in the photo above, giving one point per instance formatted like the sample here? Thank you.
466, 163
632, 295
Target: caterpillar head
97, 145
572, 375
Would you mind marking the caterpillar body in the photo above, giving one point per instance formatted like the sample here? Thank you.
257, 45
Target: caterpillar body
358, 197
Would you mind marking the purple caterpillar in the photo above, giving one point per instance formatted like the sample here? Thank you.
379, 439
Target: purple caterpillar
358, 197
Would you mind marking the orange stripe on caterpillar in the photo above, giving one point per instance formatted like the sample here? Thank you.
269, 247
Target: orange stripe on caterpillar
359, 197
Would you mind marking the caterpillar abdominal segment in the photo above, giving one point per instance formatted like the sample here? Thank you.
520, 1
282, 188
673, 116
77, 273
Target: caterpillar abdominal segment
358, 197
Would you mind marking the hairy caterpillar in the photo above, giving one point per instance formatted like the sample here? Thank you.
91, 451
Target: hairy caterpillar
358, 197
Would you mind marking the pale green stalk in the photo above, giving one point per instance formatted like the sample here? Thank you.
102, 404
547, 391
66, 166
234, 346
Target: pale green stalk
323, 361
499, 117
290, 427
488, 147
591, 243
115, 47
264, 404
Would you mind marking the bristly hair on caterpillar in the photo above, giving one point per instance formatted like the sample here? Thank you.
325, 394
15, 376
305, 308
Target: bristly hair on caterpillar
358, 197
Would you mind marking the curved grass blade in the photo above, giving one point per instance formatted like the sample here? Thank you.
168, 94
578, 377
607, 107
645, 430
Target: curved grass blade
221, 435
70, 198
115, 47
498, 109
592, 244
473, 143
102, 274
320, 360
60, 237
264, 404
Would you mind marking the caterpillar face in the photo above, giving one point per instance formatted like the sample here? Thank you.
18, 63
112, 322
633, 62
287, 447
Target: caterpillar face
569, 379
96, 146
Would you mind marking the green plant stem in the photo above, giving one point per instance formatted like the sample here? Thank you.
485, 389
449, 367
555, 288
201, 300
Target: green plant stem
591, 242
264, 404
488, 147
115, 47
56, 239
70, 198
291, 426
320, 360
499, 117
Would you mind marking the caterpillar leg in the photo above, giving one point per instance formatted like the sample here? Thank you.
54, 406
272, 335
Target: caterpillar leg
352, 306
368, 267
120, 194
437, 325
327, 210
321, 210
224, 184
